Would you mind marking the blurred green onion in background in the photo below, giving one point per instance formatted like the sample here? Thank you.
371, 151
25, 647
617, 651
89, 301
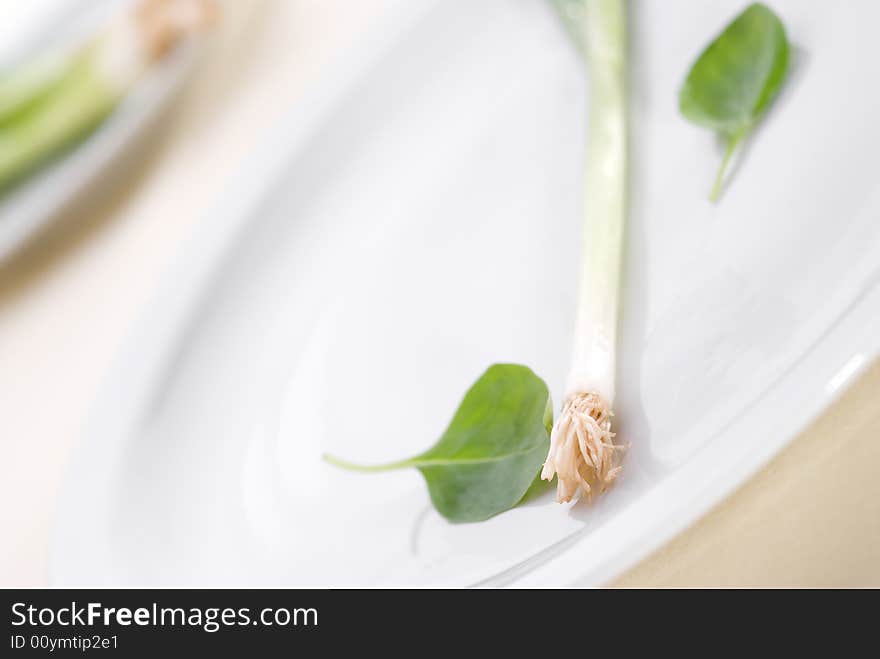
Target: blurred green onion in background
54, 101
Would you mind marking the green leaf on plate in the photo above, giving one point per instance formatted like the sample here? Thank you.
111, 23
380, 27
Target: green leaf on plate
572, 14
492, 450
735, 79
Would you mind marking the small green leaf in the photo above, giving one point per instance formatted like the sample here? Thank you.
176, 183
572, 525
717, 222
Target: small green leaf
736, 78
492, 450
572, 13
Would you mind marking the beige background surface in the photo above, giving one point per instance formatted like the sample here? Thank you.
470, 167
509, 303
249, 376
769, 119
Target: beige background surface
812, 517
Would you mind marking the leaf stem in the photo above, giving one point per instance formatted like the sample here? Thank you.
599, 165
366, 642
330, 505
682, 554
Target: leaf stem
718, 185
351, 466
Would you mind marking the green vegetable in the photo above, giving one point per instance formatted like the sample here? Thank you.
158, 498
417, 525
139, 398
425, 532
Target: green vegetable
29, 84
50, 103
488, 459
573, 15
47, 118
583, 456
736, 78
492, 450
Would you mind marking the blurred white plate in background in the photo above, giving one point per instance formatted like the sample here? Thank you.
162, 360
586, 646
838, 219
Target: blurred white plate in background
32, 205
418, 220
27, 28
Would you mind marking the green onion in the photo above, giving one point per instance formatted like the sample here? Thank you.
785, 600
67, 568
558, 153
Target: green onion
582, 452
28, 85
51, 103
491, 455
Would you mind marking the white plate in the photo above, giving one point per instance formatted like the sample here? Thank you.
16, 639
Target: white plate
418, 220
30, 207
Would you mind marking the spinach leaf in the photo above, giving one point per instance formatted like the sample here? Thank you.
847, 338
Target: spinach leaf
572, 13
735, 79
492, 450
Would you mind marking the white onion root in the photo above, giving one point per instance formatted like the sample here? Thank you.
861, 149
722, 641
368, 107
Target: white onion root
582, 454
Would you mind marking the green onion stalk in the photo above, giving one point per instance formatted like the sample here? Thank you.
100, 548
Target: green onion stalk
50, 103
583, 455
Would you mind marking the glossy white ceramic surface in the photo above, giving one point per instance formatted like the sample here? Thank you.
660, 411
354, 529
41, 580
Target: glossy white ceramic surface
419, 219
